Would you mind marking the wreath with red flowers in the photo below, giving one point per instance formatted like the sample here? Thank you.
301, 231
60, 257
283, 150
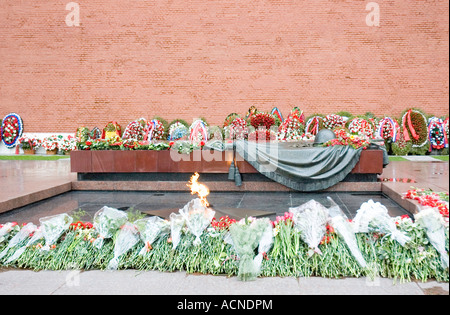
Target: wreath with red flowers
415, 129
11, 130
436, 133
262, 119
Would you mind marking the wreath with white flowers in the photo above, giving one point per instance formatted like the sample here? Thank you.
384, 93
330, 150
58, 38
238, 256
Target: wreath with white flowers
332, 121
292, 129
156, 130
360, 126
136, 130
178, 130
11, 130
388, 129
415, 129
236, 129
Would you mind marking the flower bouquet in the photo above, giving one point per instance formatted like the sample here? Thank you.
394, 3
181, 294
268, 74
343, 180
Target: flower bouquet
6, 229
53, 227
310, 219
127, 238
197, 218
373, 217
34, 237
246, 236
150, 229
344, 229
20, 237
107, 221
432, 222
29, 144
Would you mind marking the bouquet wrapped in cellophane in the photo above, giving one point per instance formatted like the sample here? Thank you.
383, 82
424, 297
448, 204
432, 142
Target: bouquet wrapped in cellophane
53, 227
373, 217
150, 229
6, 229
20, 237
106, 222
246, 236
310, 219
128, 237
432, 222
197, 218
37, 235
339, 221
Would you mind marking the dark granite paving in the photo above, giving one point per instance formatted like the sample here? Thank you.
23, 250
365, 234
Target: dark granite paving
268, 204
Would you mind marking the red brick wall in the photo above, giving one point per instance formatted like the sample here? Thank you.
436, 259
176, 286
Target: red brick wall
191, 58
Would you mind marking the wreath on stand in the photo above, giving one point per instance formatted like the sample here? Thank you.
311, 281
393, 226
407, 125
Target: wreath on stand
314, 124
292, 129
11, 130
360, 126
401, 146
111, 131
436, 134
415, 129
388, 129
332, 121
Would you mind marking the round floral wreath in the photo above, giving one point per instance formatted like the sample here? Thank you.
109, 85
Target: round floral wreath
388, 129
414, 128
332, 121
360, 126
436, 133
11, 130
314, 124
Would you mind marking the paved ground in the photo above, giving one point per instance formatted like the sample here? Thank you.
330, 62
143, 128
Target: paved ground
19, 178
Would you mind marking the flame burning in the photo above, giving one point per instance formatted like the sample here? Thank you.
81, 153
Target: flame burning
201, 190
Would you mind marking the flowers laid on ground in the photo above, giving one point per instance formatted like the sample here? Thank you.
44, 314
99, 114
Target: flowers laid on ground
430, 198
11, 129
29, 142
303, 242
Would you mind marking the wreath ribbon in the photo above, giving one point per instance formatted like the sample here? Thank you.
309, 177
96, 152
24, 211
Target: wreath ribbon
199, 126
407, 118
